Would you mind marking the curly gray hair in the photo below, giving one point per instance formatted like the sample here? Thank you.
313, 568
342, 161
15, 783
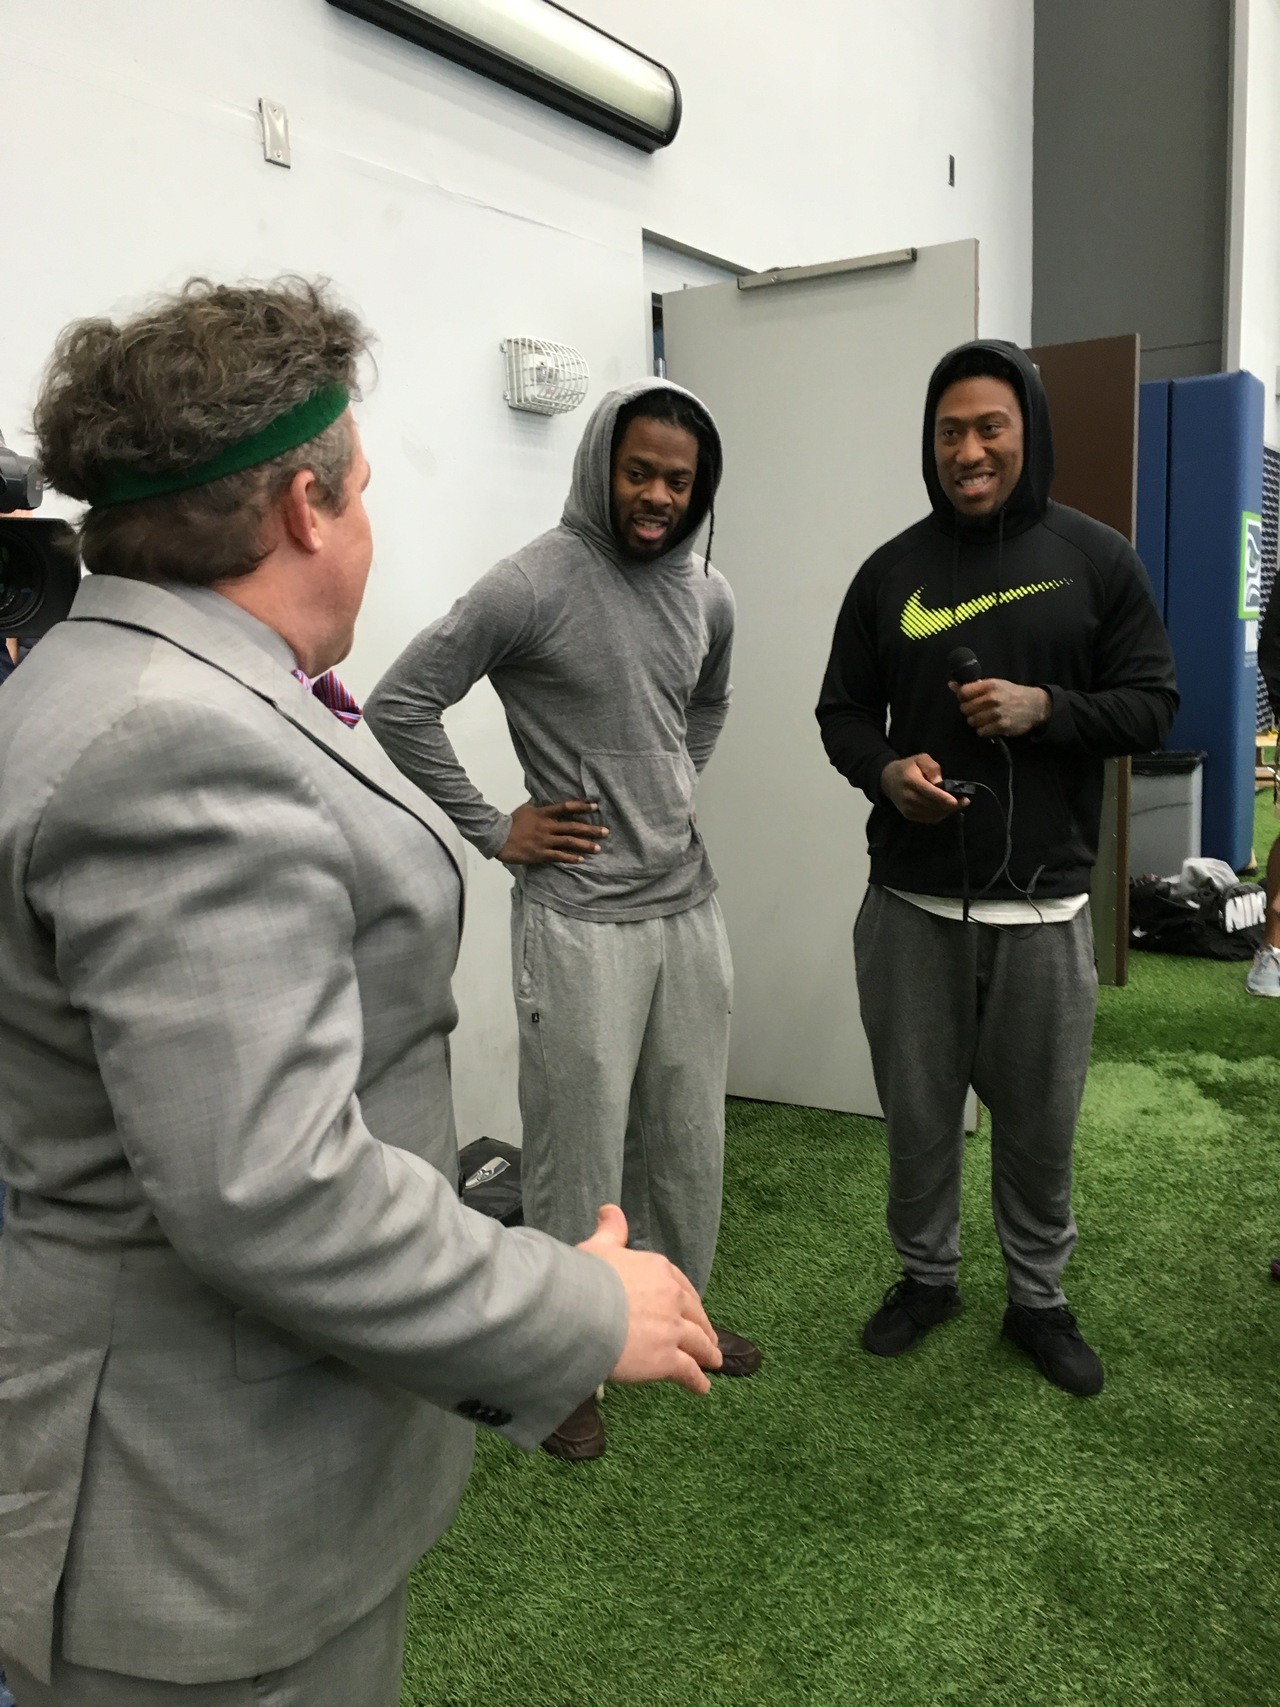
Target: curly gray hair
169, 389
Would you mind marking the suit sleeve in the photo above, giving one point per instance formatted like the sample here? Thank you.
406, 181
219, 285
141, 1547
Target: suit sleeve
200, 901
1131, 704
485, 628
709, 704
854, 703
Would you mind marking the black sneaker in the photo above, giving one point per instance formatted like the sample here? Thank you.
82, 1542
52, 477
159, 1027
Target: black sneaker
1053, 1339
909, 1310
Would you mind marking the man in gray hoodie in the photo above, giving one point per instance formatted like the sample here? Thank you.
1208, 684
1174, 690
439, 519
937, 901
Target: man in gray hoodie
608, 642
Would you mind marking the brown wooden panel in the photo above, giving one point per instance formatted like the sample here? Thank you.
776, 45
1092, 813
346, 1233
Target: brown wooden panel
1092, 387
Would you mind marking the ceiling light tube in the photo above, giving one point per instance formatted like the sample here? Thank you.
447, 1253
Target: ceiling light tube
539, 49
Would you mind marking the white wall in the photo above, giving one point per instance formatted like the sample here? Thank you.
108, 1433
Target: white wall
821, 128
1253, 276
453, 212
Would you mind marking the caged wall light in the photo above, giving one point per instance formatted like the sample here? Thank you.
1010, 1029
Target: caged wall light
543, 378
540, 49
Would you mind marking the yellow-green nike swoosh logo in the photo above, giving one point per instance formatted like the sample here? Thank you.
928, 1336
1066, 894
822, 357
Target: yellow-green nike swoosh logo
921, 623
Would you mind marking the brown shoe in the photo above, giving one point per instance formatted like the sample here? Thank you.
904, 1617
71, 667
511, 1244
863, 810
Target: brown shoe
741, 1356
580, 1436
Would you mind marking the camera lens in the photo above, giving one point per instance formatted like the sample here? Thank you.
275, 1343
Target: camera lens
39, 574
23, 579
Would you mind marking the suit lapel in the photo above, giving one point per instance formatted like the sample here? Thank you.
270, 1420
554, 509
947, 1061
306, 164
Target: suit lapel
153, 610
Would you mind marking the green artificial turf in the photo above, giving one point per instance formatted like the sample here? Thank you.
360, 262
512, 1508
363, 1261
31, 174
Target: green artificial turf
946, 1528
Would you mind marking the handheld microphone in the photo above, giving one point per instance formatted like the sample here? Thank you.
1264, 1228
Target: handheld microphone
963, 666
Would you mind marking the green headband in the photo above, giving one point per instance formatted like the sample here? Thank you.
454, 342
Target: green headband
304, 421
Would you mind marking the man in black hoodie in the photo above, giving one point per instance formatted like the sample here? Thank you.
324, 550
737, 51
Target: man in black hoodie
973, 947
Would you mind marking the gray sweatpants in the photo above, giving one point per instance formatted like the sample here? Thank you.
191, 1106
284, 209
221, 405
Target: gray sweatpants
1009, 1011
624, 1045
360, 1664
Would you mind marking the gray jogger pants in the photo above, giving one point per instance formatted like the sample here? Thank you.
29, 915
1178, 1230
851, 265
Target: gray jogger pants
624, 1044
947, 1005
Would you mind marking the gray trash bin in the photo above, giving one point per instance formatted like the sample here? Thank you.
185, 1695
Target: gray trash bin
1164, 812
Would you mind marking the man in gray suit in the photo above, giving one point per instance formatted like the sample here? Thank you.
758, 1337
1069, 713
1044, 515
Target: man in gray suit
246, 1328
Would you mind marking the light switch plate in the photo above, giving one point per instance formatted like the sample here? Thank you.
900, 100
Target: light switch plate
275, 132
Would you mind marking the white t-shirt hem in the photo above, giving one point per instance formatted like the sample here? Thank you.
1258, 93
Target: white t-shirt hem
1053, 910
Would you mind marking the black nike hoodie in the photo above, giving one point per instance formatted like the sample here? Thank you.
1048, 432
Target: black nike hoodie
1044, 596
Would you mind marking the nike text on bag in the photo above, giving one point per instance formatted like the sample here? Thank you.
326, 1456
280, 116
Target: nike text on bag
1213, 924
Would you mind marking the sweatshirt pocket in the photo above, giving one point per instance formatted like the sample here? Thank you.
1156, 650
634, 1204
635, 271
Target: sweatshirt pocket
646, 803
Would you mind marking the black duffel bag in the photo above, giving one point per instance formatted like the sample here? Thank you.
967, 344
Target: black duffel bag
1214, 924
489, 1180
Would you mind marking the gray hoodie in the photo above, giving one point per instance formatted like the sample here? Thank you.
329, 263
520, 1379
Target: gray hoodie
615, 680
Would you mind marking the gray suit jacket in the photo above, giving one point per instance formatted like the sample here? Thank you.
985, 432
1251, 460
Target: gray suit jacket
246, 1328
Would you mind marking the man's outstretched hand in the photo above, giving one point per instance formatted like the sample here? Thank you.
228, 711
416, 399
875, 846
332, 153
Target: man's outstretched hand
551, 835
912, 785
996, 707
668, 1335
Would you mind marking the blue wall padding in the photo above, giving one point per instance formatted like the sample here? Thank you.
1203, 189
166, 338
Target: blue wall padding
1215, 476
1153, 481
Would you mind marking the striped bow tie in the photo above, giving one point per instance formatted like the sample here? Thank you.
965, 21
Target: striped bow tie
331, 694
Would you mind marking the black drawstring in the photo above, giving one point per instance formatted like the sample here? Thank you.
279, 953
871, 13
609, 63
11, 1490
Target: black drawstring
1003, 745
711, 534
960, 815
1000, 565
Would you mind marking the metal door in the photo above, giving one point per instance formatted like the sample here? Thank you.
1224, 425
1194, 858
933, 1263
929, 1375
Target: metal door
817, 379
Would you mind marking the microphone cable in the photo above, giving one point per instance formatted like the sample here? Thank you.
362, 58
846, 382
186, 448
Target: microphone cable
963, 667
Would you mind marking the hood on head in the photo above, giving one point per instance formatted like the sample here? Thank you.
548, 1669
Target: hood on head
589, 508
1030, 497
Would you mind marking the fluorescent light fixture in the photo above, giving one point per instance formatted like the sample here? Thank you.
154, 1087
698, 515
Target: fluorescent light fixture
539, 49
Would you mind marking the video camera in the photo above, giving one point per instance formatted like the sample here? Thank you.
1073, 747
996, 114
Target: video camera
39, 569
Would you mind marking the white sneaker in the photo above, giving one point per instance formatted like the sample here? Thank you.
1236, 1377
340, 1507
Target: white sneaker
1264, 974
